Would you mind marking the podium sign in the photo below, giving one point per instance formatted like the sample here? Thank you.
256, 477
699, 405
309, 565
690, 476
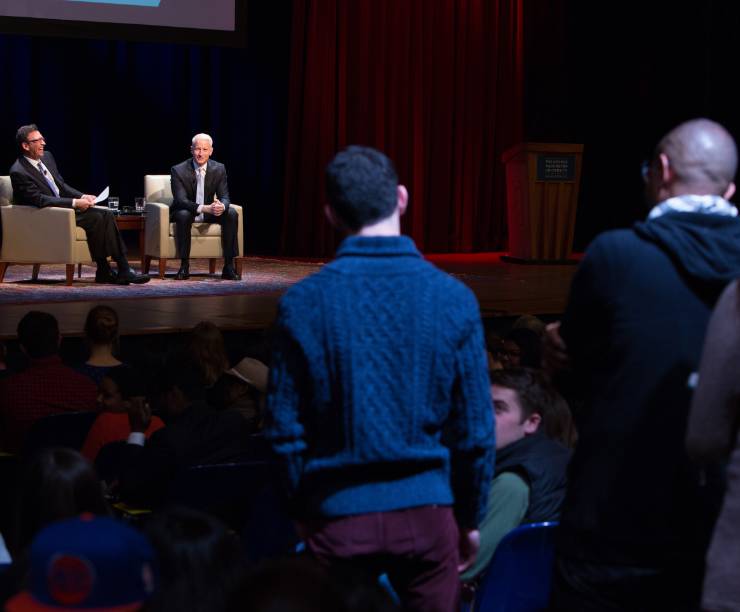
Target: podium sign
542, 181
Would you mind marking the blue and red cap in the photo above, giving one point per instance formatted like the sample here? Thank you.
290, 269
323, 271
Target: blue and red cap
88, 564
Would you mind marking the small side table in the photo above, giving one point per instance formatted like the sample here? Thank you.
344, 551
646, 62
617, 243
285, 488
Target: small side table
134, 223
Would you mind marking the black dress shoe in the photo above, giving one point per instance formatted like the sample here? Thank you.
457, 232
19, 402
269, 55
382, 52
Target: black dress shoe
130, 277
107, 277
229, 273
183, 273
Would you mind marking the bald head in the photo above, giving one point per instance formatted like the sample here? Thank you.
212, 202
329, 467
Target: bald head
702, 156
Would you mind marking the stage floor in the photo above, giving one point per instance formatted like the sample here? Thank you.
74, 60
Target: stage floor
167, 306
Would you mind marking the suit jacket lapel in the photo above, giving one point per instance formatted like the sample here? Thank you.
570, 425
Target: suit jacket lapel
37, 177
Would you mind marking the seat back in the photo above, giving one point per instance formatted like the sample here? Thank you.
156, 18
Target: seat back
6, 191
68, 429
157, 188
245, 496
519, 575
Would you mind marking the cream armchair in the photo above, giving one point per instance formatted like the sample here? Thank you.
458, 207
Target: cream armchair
160, 233
35, 236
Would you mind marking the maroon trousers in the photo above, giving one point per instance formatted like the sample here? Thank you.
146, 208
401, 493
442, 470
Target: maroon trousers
417, 548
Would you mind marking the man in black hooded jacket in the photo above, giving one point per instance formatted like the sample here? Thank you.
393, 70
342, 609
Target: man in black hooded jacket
637, 517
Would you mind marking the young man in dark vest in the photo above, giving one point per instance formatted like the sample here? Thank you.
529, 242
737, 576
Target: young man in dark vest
530, 475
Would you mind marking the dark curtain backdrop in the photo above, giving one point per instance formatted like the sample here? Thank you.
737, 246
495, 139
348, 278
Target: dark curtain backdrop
114, 111
436, 84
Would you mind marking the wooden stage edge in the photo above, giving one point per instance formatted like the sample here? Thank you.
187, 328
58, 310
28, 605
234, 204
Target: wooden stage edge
503, 290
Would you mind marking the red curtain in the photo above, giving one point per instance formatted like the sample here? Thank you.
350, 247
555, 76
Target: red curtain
435, 84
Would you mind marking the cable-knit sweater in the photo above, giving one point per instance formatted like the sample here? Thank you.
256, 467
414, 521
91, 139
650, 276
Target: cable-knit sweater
379, 397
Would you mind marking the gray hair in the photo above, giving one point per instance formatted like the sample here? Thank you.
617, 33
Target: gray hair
202, 136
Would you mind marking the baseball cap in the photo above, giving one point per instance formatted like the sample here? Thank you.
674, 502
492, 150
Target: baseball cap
91, 564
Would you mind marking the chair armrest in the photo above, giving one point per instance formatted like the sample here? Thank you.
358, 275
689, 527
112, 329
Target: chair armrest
240, 227
38, 235
157, 228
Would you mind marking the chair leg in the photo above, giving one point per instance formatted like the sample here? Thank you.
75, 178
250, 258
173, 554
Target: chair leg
239, 262
3, 267
70, 273
79, 270
35, 273
162, 267
147, 264
212, 266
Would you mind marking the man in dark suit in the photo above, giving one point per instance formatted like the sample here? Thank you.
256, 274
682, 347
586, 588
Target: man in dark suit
201, 193
37, 182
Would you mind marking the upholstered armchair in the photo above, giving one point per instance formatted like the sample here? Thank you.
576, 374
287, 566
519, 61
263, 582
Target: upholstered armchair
35, 236
160, 233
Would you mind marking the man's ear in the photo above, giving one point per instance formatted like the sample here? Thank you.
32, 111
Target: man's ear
729, 192
532, 423
402, 199
666, 172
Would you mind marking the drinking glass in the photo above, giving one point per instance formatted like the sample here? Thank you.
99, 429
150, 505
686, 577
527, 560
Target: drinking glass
139, 204
113, 204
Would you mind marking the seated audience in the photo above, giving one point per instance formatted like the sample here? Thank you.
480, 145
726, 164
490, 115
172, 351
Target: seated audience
46, 387
195, 434
117, 388
714, 425
530, 475
101, 337
88, 563
200, 560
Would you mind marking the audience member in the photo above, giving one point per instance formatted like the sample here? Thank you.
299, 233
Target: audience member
46, 387
522, 349
118, 387
88, 563
205, 346
242, 388
635, 523
101, 337
195, 434
528, 321
530, 473
56, 483
714, 425
375, 356
200, 561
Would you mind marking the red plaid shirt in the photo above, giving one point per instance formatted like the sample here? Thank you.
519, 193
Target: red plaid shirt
46, 387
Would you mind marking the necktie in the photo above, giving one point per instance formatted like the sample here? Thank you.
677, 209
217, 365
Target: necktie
199, 193
48, 178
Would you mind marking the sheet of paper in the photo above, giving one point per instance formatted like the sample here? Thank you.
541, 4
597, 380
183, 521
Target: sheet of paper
103, 195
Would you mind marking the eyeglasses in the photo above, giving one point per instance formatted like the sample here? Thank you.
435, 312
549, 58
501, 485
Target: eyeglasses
39, 139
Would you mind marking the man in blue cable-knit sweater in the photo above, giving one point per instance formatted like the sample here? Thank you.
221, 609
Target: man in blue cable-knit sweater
379, 401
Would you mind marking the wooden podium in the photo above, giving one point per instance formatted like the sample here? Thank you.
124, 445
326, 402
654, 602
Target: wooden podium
542, 182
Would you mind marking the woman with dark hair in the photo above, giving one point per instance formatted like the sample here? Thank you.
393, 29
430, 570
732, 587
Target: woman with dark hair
118, 387
101, 337
200, 561
522, 348
57, 483
205, 345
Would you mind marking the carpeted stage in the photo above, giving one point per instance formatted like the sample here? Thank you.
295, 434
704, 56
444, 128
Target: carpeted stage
166, 306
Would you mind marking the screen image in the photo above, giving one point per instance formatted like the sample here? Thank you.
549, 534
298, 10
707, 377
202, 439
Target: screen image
217, 15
